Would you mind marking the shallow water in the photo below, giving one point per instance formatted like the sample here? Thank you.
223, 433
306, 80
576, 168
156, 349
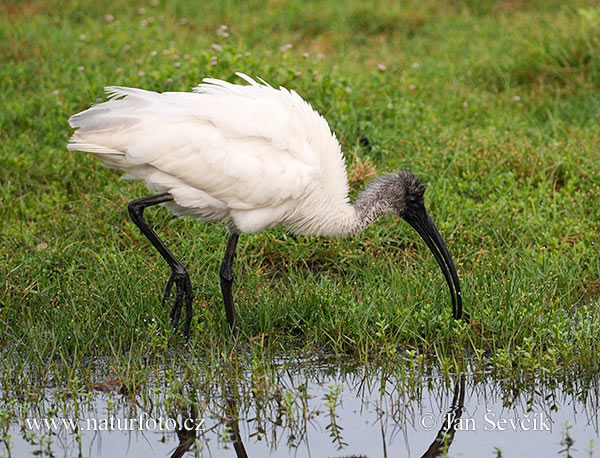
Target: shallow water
314, 412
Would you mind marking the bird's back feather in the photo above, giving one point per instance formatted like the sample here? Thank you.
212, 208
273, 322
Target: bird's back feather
251, 155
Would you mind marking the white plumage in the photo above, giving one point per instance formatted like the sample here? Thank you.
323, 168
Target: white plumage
252, 156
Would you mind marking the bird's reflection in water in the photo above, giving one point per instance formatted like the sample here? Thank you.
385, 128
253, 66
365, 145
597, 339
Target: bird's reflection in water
234, 428
185, 433
445, 436
439, 446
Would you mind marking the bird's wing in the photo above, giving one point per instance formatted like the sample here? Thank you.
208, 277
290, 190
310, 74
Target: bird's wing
246, 147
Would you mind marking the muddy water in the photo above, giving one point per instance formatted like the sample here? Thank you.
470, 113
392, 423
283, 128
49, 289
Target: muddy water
314, 413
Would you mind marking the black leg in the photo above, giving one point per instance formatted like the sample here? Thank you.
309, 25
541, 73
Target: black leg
179, 274
226, 274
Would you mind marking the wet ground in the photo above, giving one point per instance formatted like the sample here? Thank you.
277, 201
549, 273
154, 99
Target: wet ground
313, 412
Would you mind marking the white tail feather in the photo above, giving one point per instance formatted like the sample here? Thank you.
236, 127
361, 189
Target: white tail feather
75, 145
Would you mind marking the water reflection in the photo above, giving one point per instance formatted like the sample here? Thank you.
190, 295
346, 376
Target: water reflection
186, 431
440, 445
445, 436
315, 410
234, 426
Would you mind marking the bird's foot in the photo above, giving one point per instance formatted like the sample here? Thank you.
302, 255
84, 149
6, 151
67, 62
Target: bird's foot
183, 293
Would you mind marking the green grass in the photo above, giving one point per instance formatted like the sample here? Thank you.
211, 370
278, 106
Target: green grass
495, 105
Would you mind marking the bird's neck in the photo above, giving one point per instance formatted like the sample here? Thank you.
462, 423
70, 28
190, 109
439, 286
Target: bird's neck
370, 205
367, 209
339, 219
335, 218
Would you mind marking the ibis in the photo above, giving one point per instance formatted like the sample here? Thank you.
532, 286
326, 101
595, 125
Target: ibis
249, 155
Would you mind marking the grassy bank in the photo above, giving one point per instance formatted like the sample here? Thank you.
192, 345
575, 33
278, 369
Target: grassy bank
493, 104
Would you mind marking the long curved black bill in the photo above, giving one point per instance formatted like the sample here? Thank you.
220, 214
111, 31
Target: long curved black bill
424, 225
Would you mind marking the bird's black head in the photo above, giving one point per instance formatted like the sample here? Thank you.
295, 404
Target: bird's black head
409, 195
408, 203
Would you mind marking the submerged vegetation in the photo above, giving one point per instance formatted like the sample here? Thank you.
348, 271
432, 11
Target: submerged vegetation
495, 105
